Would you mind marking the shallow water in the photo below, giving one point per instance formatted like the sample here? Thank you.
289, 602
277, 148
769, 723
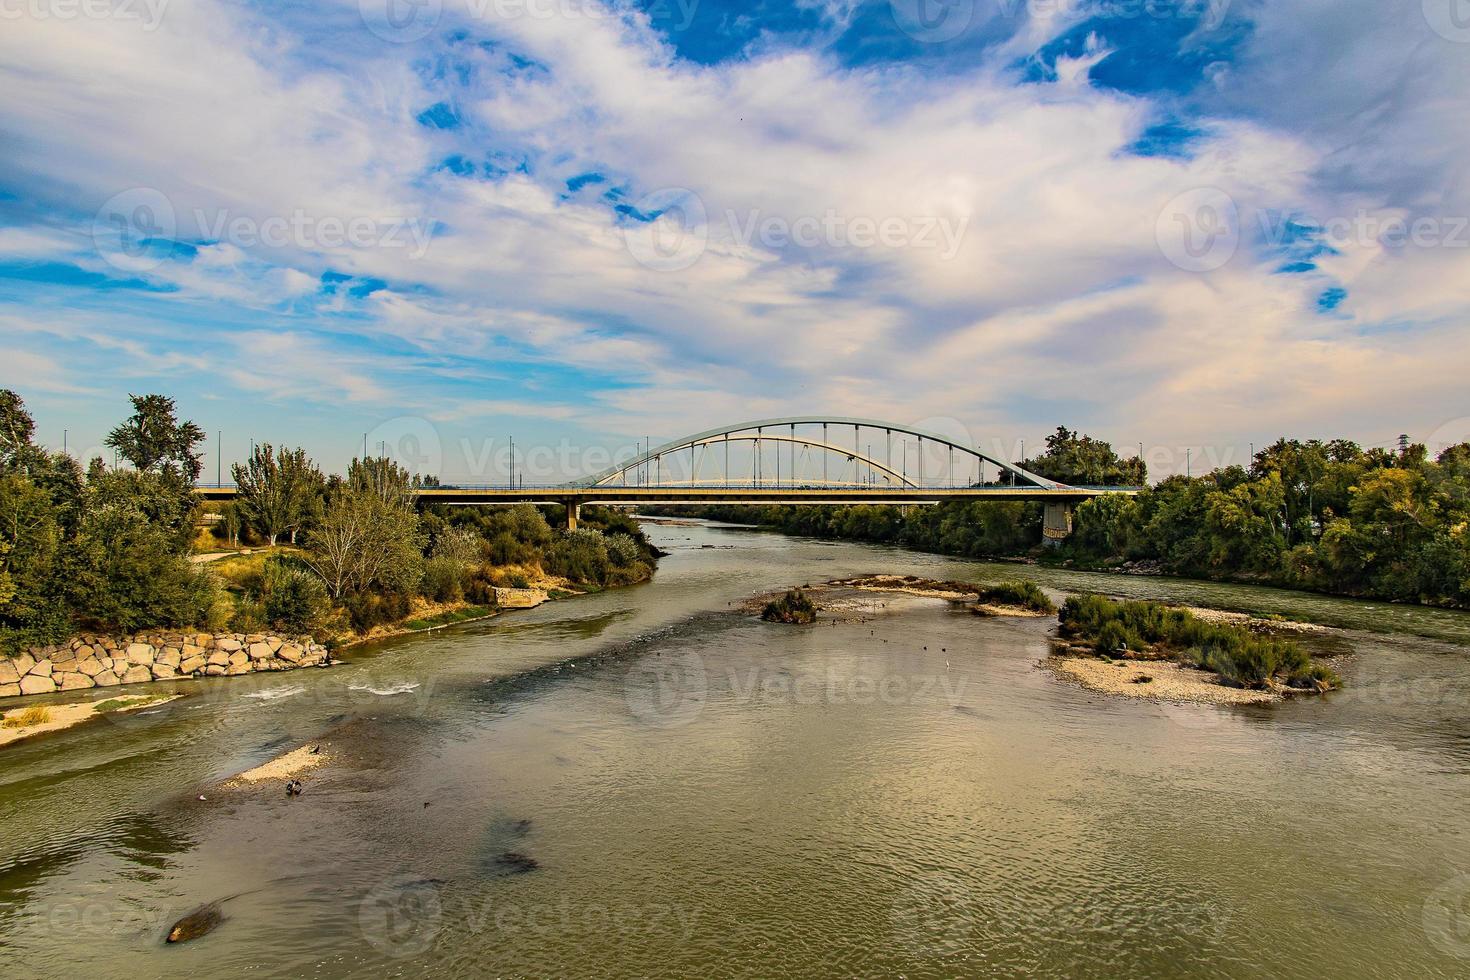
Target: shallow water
705, 794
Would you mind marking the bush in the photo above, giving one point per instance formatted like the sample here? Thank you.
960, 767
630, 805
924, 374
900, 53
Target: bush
444, 579
369, 609
622, 550
36, 714
1116, 637
793, 607
1018, 592
580, 556
249, 616
292, 597
1233, 652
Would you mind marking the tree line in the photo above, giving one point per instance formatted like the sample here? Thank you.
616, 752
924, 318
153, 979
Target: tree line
1328, 516
110, 548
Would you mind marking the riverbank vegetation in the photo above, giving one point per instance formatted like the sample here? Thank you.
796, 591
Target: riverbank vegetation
1018, 594
1328, 517
109, 548
1130, 630
793, 607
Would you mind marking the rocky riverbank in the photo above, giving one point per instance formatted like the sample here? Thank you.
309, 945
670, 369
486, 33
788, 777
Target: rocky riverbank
93, 661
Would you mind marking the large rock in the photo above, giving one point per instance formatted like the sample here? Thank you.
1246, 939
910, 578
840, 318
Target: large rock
163, 672
42, 668
8, 673
191, 650
9, 690
24, 663
260, 651
235, 670
65, 655
90, 666
274, 642
35, 684
214, 670
140, 654
290, 652
73, 682
137, 674
228, 645
107, 679
168, 657
204, 641
219, 659
192, 665
239, 659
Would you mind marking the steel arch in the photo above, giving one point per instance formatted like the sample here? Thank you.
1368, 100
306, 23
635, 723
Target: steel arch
685, 445
716, 435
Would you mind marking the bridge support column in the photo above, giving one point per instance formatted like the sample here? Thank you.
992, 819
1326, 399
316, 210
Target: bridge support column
1056, 527
574, 513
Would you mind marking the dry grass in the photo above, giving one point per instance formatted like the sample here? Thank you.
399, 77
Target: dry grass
34, 715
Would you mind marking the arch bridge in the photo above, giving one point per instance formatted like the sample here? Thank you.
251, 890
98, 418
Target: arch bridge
809, 459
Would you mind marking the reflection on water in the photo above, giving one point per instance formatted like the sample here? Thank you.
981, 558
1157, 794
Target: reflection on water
645, 782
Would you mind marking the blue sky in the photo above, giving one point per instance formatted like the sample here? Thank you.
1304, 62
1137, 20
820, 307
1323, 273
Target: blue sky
1187, 224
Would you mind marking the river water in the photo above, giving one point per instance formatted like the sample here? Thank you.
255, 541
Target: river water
904, 794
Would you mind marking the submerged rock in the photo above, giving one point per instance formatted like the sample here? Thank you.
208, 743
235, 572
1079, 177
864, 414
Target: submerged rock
517, 863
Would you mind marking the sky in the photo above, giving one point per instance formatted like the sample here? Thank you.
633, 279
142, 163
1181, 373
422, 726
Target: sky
434, 225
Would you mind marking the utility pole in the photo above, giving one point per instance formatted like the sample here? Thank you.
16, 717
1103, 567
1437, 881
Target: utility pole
1404, 445
1187, 473
512, 464
219, 458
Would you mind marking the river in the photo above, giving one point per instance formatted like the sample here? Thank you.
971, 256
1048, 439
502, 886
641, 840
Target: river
709, 795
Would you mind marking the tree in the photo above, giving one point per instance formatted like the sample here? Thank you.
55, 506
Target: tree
369, 538
277, 495
1081, 460
154, 441
126, 568
16, 429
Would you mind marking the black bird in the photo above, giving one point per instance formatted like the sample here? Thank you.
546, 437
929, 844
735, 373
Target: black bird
293, 787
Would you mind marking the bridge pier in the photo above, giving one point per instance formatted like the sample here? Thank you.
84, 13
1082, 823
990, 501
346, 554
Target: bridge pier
1056, 526
574, 513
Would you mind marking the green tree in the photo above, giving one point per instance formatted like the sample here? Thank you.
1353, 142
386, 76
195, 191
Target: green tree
369, 538
127, 568
1081, 460
278, 494
16, 429
154, 440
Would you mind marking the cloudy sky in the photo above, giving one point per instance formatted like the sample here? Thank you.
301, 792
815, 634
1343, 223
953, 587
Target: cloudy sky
1182, 223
